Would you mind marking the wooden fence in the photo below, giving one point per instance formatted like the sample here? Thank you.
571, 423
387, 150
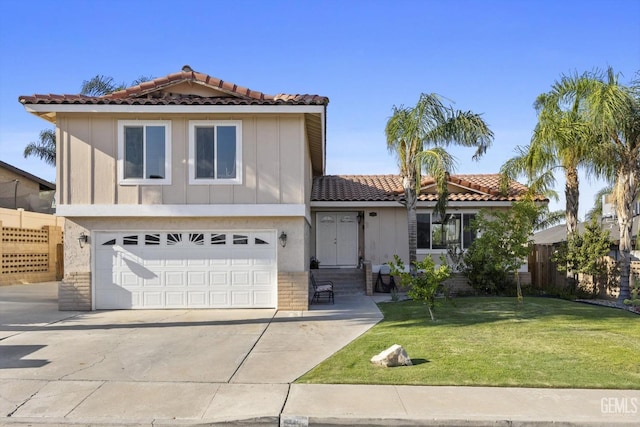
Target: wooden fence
546, 277
30, 255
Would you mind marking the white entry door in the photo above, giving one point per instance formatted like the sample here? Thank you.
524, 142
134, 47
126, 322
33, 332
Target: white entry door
337, 239
196, 269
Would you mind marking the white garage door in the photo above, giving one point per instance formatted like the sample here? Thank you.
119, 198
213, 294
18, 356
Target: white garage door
185, 269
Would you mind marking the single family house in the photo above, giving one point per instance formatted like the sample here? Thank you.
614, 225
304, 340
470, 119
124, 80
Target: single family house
21, 190
190, 191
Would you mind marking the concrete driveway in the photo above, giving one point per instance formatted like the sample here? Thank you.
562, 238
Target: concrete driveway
150, 365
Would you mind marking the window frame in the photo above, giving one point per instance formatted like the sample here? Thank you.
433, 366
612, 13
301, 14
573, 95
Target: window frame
193, 124
463, 244
122, 124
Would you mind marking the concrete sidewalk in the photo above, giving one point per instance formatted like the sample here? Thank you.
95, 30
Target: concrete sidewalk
168, 382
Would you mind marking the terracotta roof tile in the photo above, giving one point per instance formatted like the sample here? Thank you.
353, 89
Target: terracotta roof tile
139, 94
383, 188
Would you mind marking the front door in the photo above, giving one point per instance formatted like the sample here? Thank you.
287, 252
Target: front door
337, 239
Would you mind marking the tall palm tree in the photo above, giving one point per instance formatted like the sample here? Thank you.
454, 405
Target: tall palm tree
418, 136
613, 111
560, 140
45, 147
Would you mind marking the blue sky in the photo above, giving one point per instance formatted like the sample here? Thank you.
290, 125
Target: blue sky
492, 57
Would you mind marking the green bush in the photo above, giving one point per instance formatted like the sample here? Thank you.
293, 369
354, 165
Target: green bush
427, 284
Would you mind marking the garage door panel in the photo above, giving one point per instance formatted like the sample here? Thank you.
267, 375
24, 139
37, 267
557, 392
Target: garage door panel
175, 299
157, 279
197, 299
261, 297
218, 278
241, 298
153, 299
240, 278
174, 278
185, 269
196, 278
219, 299
262, 278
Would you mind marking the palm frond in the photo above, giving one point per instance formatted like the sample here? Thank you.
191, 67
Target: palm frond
100, 85
596, 210
44, 148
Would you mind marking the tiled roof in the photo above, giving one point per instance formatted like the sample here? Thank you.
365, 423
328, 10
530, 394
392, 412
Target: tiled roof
146, 94
383, 188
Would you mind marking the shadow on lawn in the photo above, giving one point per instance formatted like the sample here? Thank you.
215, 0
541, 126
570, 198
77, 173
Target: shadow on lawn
464, 311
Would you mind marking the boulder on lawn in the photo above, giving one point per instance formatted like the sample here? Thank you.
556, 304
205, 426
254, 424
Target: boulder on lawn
393, 356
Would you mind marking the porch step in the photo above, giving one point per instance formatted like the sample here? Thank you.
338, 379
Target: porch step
346, 281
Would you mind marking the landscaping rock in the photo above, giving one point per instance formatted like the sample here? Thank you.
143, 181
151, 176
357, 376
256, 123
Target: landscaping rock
393, 356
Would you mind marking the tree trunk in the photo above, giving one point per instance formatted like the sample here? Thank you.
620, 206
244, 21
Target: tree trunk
627, 188
411, 198
572, 196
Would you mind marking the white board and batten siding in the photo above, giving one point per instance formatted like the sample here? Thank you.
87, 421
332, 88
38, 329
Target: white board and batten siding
185, 269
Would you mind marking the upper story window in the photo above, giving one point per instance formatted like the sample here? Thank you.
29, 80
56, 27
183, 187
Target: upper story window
144, 152
215, 152
454, 230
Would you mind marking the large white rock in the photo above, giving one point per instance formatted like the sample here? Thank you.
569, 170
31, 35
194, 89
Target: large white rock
393, 356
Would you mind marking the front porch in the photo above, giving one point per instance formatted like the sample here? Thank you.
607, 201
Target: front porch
346, 281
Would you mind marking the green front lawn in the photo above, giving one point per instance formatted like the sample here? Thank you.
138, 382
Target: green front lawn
494, 342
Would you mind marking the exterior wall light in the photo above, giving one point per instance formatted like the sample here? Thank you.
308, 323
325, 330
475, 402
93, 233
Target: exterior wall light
83, 239
283, 239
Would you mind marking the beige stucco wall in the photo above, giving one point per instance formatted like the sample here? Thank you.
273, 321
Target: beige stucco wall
385, 234
26, 185
273, 162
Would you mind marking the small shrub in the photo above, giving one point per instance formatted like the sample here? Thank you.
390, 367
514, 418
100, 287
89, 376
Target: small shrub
427, 284
634, 301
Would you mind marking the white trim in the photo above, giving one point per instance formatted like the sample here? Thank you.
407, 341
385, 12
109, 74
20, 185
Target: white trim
251, 109
247, 210
167, 152
192, 151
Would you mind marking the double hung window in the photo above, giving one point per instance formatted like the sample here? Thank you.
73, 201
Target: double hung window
215, 152
144, 152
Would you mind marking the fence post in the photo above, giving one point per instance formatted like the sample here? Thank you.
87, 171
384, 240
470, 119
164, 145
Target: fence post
53, 238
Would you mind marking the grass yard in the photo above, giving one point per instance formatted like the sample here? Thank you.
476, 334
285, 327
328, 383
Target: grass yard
493, 342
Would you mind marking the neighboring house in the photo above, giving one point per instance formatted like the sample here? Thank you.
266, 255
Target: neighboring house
20, 189
189, 191
555, 235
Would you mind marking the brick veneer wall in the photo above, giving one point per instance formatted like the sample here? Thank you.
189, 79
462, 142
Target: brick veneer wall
293, 290
74, 292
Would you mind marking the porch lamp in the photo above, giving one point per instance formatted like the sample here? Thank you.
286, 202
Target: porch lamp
83, 239
283, 239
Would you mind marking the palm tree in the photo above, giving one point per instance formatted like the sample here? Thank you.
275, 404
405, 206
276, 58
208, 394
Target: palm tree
417, 136
560, 140
613, 111
45, 147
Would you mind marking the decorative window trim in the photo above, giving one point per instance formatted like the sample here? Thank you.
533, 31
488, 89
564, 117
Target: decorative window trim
167, 152
192, 152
